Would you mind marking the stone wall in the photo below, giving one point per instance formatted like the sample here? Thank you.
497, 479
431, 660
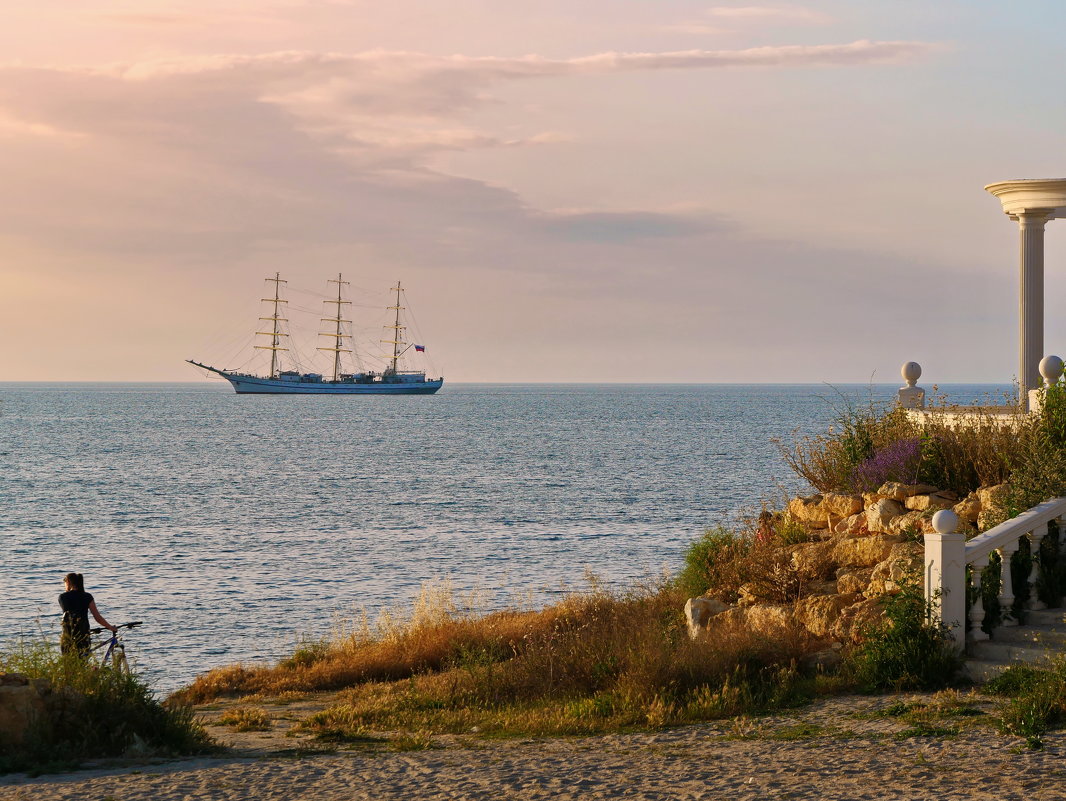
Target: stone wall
858, 549
22, 703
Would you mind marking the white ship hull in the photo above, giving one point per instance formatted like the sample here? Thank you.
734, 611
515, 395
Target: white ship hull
265, 386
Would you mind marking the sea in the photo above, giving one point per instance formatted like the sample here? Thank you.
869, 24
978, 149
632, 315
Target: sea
236, 526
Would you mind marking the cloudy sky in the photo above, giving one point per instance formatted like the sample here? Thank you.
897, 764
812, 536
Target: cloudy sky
571, 190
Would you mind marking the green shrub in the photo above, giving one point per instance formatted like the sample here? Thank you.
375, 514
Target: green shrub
93, 713
709, 559
906, 651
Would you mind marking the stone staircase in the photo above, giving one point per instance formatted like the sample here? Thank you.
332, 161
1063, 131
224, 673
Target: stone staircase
1041, 639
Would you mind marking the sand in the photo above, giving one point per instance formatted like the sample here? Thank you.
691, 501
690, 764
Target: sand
833, 749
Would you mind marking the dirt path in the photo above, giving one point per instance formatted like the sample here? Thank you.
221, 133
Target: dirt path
852, 748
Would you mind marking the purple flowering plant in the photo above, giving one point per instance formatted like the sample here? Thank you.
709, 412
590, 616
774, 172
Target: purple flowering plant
897, 461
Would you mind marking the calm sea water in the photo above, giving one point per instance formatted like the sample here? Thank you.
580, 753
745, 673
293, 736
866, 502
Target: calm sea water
232, 525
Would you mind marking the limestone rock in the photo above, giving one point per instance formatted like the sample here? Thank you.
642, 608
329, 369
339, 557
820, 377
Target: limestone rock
856, 618
853, 579
870, 498
881, 513
827, 587
905, 560
969, 508
864, 551
925, 503
699, 611
992, 502
818, 613
840, 505
767, 618
824, 510
21, 704
856, 524
813, 561
911, 522
898, 492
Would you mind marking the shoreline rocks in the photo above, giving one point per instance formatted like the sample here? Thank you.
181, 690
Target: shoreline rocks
860, 548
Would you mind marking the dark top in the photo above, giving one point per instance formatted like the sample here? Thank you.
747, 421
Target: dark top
75, 606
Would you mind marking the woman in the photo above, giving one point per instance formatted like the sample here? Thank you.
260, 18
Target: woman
76, 604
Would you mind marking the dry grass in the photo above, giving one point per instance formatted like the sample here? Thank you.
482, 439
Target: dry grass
435, 636
246, 718
594, 662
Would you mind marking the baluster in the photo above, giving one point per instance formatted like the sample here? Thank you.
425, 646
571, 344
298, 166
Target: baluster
1006, 586
977, 611
1035, 538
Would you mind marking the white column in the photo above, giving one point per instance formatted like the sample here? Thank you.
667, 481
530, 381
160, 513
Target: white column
1031, 297
945, 574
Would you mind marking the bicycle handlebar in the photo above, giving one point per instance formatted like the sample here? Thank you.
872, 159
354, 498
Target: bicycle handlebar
132, 625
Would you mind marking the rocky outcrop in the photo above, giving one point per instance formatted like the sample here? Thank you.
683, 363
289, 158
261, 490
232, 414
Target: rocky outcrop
824, 510
22, 703
818, 613
860, 548
932, 502
864, 551
900, 492
968, 509
881, 513
993, 500
699, 611
856, 619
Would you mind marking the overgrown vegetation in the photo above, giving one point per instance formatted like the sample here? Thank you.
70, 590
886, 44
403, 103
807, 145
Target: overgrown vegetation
906, 651
1037, 700
94, 713
868, 444
598, 661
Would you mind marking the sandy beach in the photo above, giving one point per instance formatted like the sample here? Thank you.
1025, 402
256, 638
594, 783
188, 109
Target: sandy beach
839, 748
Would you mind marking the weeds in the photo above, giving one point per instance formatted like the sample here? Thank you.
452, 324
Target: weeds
246, 718
92, 713
906, 651
1037, 700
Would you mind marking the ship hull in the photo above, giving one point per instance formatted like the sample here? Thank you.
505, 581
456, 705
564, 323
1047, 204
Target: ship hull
250, 385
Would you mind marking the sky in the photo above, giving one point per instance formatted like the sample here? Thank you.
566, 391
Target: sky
578, 190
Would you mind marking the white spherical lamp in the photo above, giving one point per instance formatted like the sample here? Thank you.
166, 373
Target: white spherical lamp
1051, 369
911, 372
945, 522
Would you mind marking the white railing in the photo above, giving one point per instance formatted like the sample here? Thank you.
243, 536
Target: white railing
947, 555
912, 397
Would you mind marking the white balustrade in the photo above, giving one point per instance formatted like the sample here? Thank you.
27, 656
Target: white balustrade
947, 554
1006, 584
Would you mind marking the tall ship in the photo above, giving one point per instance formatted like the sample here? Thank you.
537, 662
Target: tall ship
390, 380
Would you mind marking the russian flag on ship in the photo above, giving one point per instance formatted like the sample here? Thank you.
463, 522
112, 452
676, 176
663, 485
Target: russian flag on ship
420, 348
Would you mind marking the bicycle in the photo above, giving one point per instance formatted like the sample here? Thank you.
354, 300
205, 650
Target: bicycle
114, 656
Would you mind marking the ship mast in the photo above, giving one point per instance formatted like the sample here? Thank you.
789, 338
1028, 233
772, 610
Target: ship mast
276, 333
397, 332
338, 335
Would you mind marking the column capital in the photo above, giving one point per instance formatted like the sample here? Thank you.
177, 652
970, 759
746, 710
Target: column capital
1023, 195
1032, 218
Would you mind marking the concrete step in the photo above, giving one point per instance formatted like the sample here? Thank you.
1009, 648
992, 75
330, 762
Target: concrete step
1041, 639
1047, 636
1045, 617
996, 651
981, 670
